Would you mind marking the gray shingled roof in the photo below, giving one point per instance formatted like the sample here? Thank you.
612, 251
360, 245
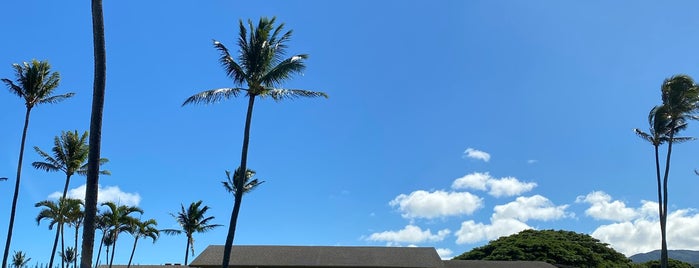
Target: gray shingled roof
321, 256
496, 264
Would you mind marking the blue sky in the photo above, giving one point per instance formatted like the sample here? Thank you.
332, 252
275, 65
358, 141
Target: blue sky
420, 93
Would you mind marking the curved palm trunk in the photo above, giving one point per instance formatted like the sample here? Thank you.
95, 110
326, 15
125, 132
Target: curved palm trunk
99, 251
133, 251
186, 250
660, 201
55, 245
16, 194
664, 262
239, 185
111, 259
95, 138
75, 260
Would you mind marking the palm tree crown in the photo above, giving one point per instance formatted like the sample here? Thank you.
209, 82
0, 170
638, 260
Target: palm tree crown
192, 220
248, 185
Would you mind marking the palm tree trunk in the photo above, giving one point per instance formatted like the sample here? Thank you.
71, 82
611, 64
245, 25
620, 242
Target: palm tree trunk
16, 194
106, 256
660, 200
63, 247
55, 245
95, 139
77, 230
664, 262
132, 251
111, 259
99, 251
239, 185
186, 250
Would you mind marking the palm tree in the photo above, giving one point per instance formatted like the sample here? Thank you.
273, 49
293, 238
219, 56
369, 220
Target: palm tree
19, 259
69, 255
191, 220
680, 96
102, 225
35, 84
69, 156
263, 67
95, 140
143, 229
119, 220
75, 218
249, 185
58, 214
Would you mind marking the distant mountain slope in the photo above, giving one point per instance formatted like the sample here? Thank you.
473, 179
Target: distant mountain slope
690, 256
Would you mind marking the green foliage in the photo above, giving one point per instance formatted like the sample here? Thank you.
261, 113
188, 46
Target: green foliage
19, 259
555, 247
656, 264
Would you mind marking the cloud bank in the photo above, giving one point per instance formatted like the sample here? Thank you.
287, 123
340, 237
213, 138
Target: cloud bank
109, 193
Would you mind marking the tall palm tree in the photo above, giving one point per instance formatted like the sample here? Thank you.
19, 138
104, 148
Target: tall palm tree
143, 229
69, 154
680, 96
248, 185
263, 66
191, 220
120, 220
58, 214
92, 182
19, 259
35, 84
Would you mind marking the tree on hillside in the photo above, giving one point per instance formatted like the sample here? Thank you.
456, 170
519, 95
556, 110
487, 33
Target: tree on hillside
672, 263
35, 85
555, 247
95, 140
143, 229
69, 154
680, 96
263, 66
191, 220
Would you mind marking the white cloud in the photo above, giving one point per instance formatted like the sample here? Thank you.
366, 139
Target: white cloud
472, 232
409, 234
109, 193
476, 154
603, 208
530, 208
445, 253
437, 204
642, 234
532, 161
476, 180
507, 186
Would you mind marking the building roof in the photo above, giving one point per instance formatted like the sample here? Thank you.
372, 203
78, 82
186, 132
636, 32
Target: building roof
321, 256
496, 264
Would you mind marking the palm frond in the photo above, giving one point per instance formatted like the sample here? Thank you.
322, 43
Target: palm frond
279, 94
284, 70
13, 88
644, 135
55, 99
233, 70
45, 166
212, 96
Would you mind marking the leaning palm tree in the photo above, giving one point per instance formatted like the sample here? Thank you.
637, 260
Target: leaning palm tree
119, 220
75, 216
102, 225
680, 96
69, 154
262, 65
95, 140
248, 185
19, 259
35, 85
143, 229
191, 220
